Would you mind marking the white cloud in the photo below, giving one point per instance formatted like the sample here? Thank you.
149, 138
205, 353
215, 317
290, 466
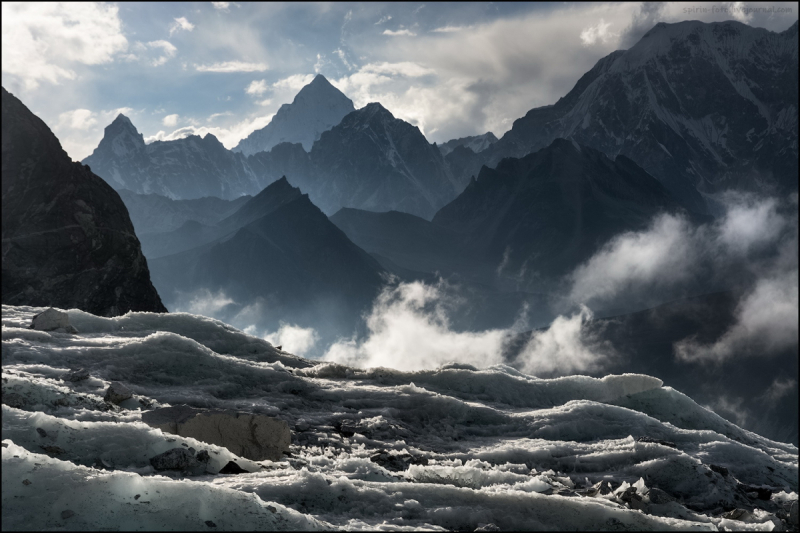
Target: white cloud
749, 223
233, 66
398, 33
598, 33
180, 24
766, 322
229, 136
221, 6
633, 261
204, 302
170, 120
451, 29
564, 348
386, 18
409, 330
779, 388
293, 339
77, 119
293, 83
257, 87
168, 51
45, 41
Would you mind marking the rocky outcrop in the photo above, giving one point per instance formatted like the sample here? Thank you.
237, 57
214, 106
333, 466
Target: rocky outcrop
252, 436
52, 320
67, 240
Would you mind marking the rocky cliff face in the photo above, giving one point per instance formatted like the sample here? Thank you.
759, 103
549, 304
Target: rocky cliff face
67, 239
699, 106
374, 161
476, 143
318, 107
188, 168
541, 215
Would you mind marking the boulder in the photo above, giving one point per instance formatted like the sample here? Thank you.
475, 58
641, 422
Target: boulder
180, 459
252, 436
117, 393
52, 320
659, 497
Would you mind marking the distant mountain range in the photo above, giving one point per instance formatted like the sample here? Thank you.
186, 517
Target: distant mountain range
700, 106
278, 250
318, 107
67, 238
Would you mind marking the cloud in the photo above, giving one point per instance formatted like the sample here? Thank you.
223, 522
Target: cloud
168, 51
221, 6
659, 256
293, 83
387, 18
229, 136
409, 330
170, 120
46, 41
779, 388
205, 302
598, 33
232, 66
257, 87
766, 323
564, 348
451, 29
180, 24
77, 119
293, 339
398, 33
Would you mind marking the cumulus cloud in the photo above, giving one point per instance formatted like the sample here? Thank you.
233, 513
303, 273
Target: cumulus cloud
180, 23
293, 83
221, 6
257, 87
77, 119
232, 66
170, 120
45, 41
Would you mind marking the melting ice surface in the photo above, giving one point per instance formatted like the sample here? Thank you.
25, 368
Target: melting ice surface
464, 448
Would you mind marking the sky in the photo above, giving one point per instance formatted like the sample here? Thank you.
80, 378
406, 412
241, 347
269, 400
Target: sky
225, 68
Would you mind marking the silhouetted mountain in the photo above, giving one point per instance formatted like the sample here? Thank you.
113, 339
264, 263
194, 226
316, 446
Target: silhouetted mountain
153, 213
374, 161
540, 216
697, 105
67, 239
291, 260
737, 389
476, 143
318, 107
188, 168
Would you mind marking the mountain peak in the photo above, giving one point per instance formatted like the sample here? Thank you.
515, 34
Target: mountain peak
316, 108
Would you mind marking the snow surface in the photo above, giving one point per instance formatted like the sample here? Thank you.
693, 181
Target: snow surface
483, 448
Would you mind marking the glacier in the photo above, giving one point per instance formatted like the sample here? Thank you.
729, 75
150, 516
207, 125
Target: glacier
453, 448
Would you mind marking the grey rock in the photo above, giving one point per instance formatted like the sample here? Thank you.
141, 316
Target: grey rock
738, 514
233, 468
793, 512
657, 441
397, 462
721, 470
658, 496
252, 436
118, 393
52, 320
55, 450
487, 527
42, 433
174, 459
67, 514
